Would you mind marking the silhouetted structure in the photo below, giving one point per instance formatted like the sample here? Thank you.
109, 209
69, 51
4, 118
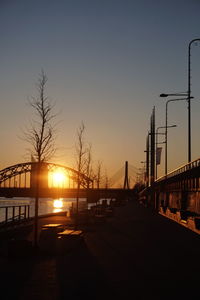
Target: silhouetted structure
152, 153
126, 180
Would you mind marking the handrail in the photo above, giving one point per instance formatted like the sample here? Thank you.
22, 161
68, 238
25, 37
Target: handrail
12, 209
180, 170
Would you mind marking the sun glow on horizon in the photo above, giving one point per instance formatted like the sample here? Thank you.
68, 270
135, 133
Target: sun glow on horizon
58, 205
58, 179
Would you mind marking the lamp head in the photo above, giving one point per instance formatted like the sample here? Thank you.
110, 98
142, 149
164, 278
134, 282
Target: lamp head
163, 95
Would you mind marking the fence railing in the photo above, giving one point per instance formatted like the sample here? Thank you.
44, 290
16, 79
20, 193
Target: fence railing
180, 170
14, 213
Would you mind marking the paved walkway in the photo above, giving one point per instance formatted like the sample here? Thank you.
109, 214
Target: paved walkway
136, 254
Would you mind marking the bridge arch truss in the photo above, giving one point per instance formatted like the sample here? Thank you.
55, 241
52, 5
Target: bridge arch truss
22, 175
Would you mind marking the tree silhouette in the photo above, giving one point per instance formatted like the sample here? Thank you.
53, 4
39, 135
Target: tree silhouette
41, 138
81, 161
41, 134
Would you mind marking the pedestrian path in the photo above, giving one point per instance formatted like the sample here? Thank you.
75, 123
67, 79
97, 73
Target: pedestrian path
135, 254
148, 255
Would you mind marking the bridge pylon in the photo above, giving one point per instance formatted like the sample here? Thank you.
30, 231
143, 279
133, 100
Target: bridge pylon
126, 180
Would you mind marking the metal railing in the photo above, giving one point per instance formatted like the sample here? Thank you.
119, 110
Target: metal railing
15, 213
192, 165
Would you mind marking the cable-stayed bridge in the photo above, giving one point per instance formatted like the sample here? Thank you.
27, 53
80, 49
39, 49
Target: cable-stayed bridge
129, 172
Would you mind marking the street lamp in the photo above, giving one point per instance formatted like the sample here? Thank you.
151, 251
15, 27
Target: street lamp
188, 94
175, 94
189, 97
166, 115
189, 108
165, 142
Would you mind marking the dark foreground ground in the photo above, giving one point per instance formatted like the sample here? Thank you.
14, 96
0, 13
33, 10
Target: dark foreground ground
136, 254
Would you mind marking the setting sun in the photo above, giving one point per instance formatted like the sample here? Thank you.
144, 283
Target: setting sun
57, 179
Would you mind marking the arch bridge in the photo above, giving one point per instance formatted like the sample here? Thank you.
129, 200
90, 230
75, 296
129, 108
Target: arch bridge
23, 177
20, 180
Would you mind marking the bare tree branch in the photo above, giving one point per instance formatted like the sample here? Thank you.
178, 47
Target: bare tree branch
41, 134
99, 173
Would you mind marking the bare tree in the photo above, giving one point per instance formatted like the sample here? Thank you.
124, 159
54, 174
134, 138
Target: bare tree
106, 180
41, 137
99, 173
106, 183
89, 168
81, 151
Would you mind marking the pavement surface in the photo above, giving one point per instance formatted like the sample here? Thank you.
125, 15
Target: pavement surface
135, 254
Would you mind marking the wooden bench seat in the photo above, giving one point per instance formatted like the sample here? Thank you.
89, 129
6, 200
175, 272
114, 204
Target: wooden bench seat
52, 226
69, 232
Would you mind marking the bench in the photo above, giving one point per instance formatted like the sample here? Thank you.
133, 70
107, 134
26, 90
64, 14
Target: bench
48, 236
68, 239
52, 225
69, 233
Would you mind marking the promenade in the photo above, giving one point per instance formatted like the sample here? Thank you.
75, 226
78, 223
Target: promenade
135, 254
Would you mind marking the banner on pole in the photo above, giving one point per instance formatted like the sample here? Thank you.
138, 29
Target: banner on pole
158, 155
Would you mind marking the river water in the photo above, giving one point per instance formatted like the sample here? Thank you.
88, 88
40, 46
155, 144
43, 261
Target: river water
46, 205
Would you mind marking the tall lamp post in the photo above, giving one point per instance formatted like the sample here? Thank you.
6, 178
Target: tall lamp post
189, 97
188, 94
166, 120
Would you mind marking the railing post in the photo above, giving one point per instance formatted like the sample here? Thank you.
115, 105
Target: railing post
13, 214
25, 211
6, 216
19, 212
